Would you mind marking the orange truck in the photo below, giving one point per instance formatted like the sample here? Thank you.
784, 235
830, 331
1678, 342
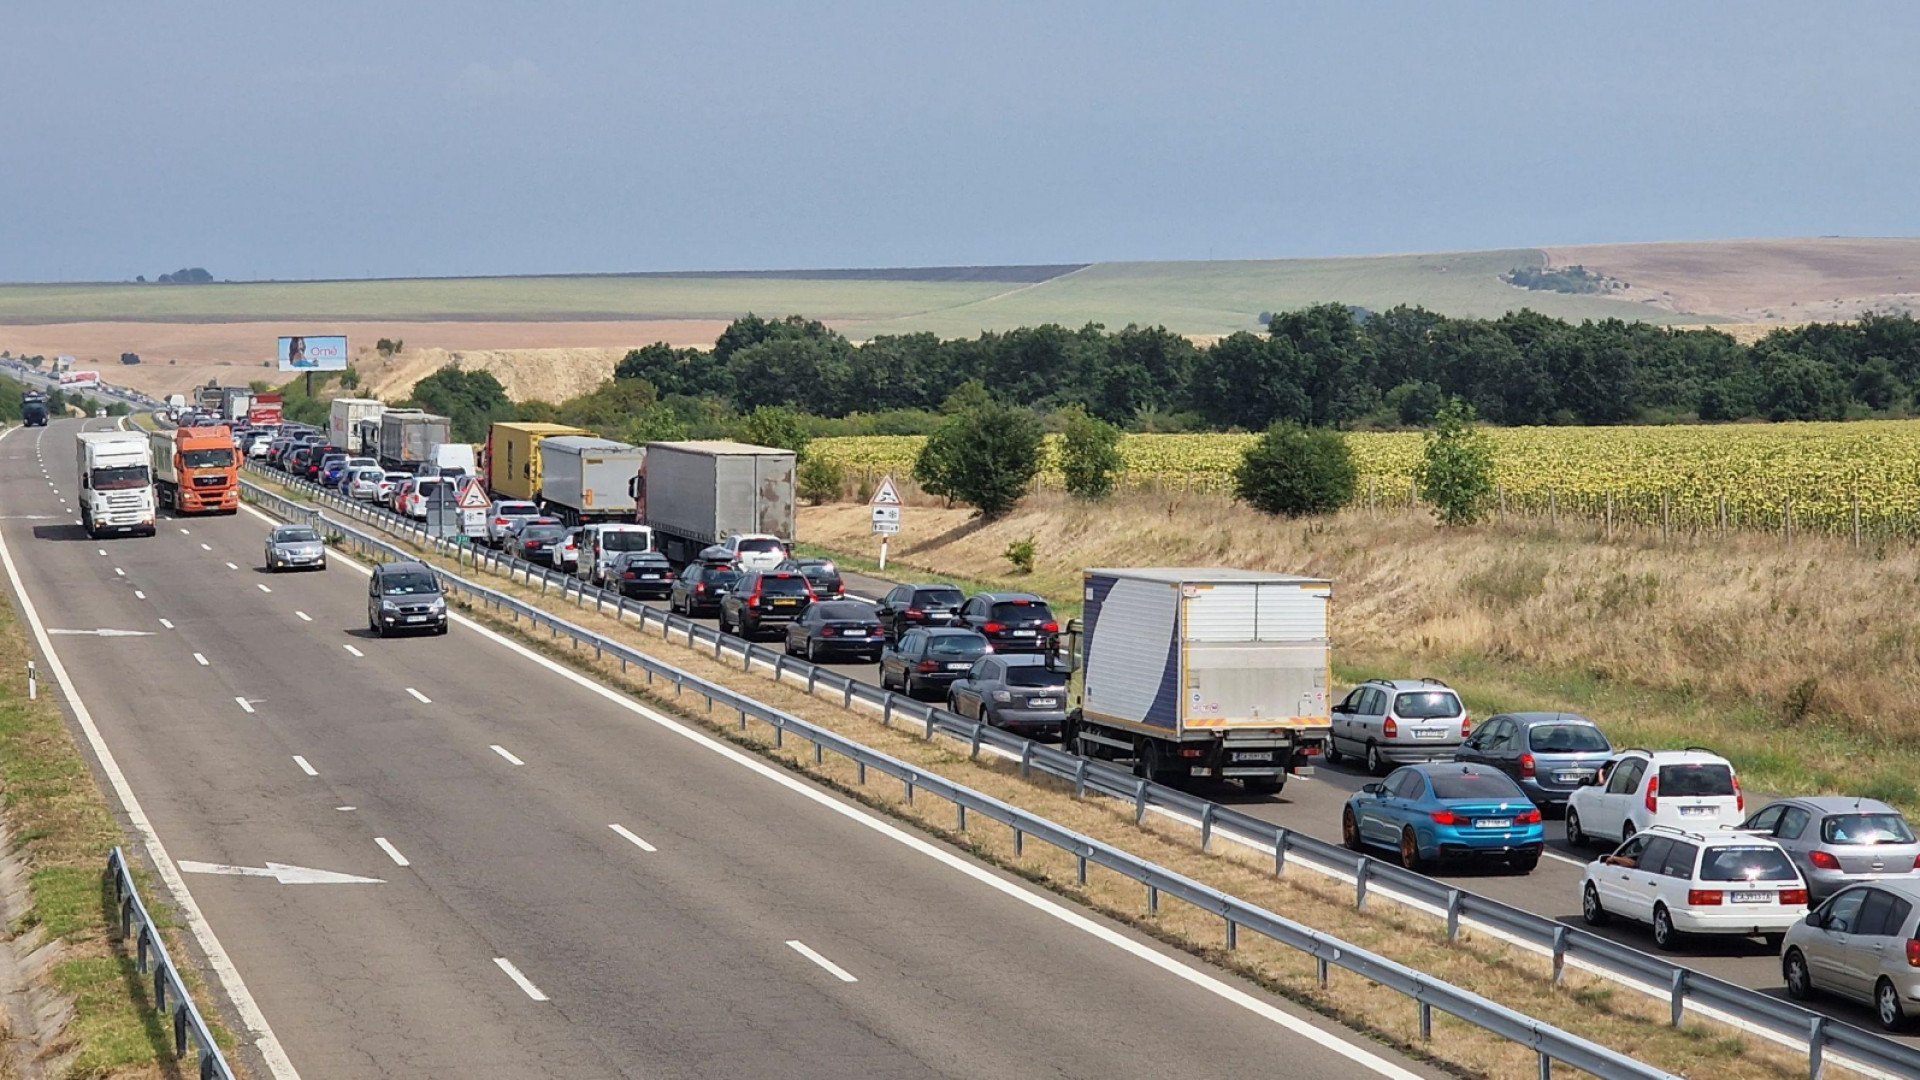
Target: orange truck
196, 469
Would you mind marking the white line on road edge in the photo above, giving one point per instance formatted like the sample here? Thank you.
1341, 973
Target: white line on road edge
304, 767
206, 547
254, 1020
183, 532
626, 833
261, 585
834, 969
304, 617
201, 660
502, 751
244, 703
138, 595
117, 572
392, 852
423, 699
231, 566
166, 623
103, 551
519, 980
353, 650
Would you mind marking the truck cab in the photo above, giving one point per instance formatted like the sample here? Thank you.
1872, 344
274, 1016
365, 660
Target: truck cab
116, 483
196, 470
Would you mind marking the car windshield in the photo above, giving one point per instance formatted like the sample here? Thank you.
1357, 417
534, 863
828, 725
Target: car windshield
299, 535
958, 646
414, 584
511, 510
1021, 611
1567, 739
938, 598
721, 577
1696, 780
784, 586
1474, 784
120, 478
207, 459
393, 477
1881, 828
542, 532
1747, 864
647, 559
845, 612
1034, 675
1426, 705
760, 547
624, 540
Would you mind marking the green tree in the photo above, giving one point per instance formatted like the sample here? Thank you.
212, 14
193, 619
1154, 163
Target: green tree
1295, 471
821, 479
1455, 474
472, 400
984, 457
775, 425
1089, 455
656, 423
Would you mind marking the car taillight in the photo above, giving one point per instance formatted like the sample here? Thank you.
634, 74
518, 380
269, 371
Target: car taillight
1445, 817
826, 631
1653, 797
1390, 729
915, 614
1051, 628
1466, 725
1526, 767
993, 628
1739, 797
699, 588
1705, 897
631, 575
1913, 953
1824, 860
1793, 896
926, 666
1531, 817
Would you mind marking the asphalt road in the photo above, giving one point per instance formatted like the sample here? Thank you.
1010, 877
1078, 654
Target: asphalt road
567, 886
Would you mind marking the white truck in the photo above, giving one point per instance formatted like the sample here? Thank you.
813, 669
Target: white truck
584, 478
345, 428
1201, 673
116, 483
695, 494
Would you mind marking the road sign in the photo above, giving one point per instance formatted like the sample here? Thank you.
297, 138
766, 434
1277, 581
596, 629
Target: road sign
887, 495
472, 495
886, 520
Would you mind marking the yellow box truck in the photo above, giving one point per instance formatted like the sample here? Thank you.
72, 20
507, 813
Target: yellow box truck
513, 457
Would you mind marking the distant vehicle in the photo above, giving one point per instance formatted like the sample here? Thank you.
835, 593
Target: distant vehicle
408, 436
640, 574
317, 461
604, 545
1638, 789
420, 495
908, 606
543, 544
345, 427
363, 483
353, 465
923, 663
1549, 754
404, 596
389, 483
99, 412
762, 599
502, 514
1388, 722
1838, 841
1021, 692
1013, 622
450, 459
515, 469
695, 494
295, 546
1684, 882
1862, 944
196, 469
116, 483
836, 628
1446, 811
33, 409
331, 466
587, 479
700, 588
822, 574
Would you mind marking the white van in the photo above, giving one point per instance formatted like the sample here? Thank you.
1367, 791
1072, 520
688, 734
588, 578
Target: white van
445, 456
602, 544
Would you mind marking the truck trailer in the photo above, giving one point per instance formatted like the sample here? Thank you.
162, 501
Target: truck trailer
513, 466
408, 436
1201, 673
695, 494
347, 426
196, 469
584, 478
116, 483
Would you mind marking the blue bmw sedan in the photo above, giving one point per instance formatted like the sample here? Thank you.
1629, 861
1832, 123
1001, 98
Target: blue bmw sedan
1446, 811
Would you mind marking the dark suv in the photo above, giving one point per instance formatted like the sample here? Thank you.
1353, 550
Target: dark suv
700, 588
763, 599
1012, 622
908, 606
405, 596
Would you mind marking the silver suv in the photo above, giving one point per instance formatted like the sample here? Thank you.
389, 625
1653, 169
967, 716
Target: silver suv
1390, 722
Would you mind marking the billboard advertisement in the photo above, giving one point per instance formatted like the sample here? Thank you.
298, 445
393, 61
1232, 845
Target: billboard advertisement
313, 354
79, 380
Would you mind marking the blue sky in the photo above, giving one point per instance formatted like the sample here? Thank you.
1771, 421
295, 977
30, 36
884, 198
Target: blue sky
349, 139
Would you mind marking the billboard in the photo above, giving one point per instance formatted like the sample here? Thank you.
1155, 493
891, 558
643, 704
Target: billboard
79, 380
313, 354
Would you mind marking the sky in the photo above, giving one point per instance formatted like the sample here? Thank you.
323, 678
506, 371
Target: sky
262, 139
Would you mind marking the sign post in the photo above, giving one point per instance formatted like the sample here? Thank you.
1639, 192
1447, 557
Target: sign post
886, 514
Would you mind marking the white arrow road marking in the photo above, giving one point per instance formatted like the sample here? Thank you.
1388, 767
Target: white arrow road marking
263, 587
519, 980
286, 875
834, 969
392, 852
244, 703
206, 547
102, 632
166, 623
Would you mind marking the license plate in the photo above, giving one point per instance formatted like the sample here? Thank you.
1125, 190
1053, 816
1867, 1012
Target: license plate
1042, 702
1429, 733
1493, 823
418, 618
1696, 811
785, 603
1753, 898
649, 577
1250, 756
958, 667
1571, 776
1023, 633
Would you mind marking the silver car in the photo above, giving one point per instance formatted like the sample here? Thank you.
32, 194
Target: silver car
1838, 841
1860, 944
291, 546
1389, 722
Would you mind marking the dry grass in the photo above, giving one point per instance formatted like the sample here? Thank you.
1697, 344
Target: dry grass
1731, 643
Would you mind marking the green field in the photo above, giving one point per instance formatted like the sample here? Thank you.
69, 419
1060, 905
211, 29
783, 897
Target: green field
1187, 297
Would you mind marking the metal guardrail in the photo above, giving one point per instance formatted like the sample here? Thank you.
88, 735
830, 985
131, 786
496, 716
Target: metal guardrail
169, 992
1550, 1044
1683, 986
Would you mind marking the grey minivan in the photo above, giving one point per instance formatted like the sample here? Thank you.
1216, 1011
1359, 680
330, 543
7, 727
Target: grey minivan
1548, 754
1389, 722
1864, 944
403, 596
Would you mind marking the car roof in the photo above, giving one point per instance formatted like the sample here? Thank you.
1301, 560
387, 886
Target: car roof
400, 565
950, 631
1675, 757
1528, 719
1907, 887
1409, 684
1720, 838
1023, 659
1840, 804
934, 585
1007, 597
1430, 767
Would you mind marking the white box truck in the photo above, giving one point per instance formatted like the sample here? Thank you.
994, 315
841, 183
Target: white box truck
1191, 673
583, 478
345, 427
695, 494
116, 483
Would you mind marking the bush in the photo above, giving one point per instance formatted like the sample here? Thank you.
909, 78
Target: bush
1089, 455
985, 457
1455, 474
1295, 471
821, 480
777, 426
1020, 554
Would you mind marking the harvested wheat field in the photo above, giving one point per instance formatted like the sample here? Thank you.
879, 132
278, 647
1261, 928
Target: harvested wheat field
1763, 280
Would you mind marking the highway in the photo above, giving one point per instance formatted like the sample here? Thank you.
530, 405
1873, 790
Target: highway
564, 883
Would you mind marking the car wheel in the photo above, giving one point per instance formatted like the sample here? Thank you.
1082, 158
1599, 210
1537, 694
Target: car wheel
1375, 764
1627, 831
1590, 908
813, 651
1664, 935
909, 689
1350, 830
1334, 756
1793, 972
1886, 1007
1410, 849
1576, 836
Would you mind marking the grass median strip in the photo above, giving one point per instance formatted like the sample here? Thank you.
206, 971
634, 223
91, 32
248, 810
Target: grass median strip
1584, 1004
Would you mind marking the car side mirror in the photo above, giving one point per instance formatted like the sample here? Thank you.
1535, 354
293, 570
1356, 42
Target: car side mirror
1817, 919
1373, 789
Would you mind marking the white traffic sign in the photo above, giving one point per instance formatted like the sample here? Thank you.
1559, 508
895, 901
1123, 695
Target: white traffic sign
472, 495
887, 494
286, 875
886, 528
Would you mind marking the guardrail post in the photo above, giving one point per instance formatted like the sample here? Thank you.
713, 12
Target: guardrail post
1559, 955
1026, 758
863, 771
1546, 1066
979, 732
1233, 934
819, 754
962, 808
743, 719
930, 723
1320, 962
779, 735
33, 683
1817, 1048
1453, 915
1679, 993
1153, 900
1206, 827
180, 1032
1082, 868
1426, 1022
1080, 779
1140, 801
1279, 853
886, 709
846, 698
1019, 842
909, 782
1360, 876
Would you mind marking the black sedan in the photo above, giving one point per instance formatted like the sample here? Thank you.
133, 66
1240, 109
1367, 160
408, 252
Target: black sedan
822, 574
643, 575
910, 606
1013, 622
698, 590
836, 628
925, 662
1018, 692
542, 544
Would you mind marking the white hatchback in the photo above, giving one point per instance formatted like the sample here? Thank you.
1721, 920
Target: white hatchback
755, 551
1680, 882
1638, 789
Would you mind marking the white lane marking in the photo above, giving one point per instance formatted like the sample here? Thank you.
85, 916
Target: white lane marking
262, 586
103, 551
138, 595
244, 703
165, 623
627, 834
503, 752
206, 547
392, 852
231, 566
353, 650
833, 969
117, 572
519, 980
201, 660
184, 532
251, 1017
422, 698
304, 767
1569, 860
304, 617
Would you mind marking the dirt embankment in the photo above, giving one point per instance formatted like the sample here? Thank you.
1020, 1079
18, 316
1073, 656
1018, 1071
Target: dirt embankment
1805, 280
